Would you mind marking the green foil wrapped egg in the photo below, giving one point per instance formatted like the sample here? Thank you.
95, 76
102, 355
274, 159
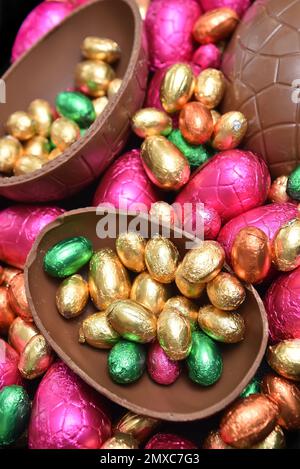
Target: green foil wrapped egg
195, 154
254, 387
293, 185
205, 364
126, 362
76, 107
14, 413
68, 256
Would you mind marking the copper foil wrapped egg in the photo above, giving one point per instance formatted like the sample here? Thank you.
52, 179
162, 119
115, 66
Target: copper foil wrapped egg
150, 293
7, 315
251, 255
287, 396
249, 421
186, 307
130, 248
229, 131
284, 358
9, 359
161, 257
36, 358
151, 121
93, 77
203, 263
215, 25
226, 292
210, 87
177, 87
222, 326
195, 123
275, 440
188, 289
20, 333
138, 426
174, 334
64, 133
214, 441
10, 150
72, 296
21, 126
277, 192
17, 297
42, 113
120, 441
286, 246
98, 48
97, 332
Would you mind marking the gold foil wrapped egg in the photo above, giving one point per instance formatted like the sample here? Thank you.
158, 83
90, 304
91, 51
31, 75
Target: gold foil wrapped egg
164, 213
177, 87
229, 130
10, 150
26, 164
275, 440
148, 292
277, 192
139, 427
151, 121
42, 113
97, 332
174, 334
20, 333
98, 48
21, 126
286, 246
203, 263
222, 326
215, 25
121, 441
210, 87
185, 307
113, 87
161, 257
72, 296
251, 255
164, 164
93, 77
64, 133
188, 289
132, 321
54, 154
130, 248
108, 279
215, 116
37, 146
36, 358
226, 292
284, 358
100, 104
195, 123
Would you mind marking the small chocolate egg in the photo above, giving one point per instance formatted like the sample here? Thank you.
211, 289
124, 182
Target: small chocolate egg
97, 332
195, 154
185, 307
93, 77
64, 133
132, 321
10, 150
164, 164
130, 248
188, 289
177, 87
249, 421
210, 87
68, 256
195, 123
121, 441
20, 333
293, 185
108, 279
164, 213
214, 441
114, 87
278, 190
36, 358
148, 292
126, 362
286, 246
72, 296
17, 297
229, 131
99, 48
226, 292
139, 427
7, 315
54, 154
37, 146
174, 334
9, 359
26, 164
254, 387
151, 121
203, 263
275, 440
215, 116
160, 367
222, 326
100, 104
161, 257
215, 25
15, 413
42, 113
21, 126
284, 358
205, 364
76, 107
251, 255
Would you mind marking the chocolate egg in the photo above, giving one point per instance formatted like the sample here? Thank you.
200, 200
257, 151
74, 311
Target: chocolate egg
130, 248
293, 184
14, 415
114, 87
177, 87
98, 48
42, 113
210, 87
195, 154
97, 332
54, 154
185, 307
164, 164
229, 131
76, 107
251, 255
160, 367
203, 263
151, 121
284, 358
205, 364
64, 133
221, 325
120, 441
215, 116
10, 150
100, 104
9, 359
132, 321
275, 440
215, 25
199, 219
214, 441
26, 164
17, 297
164, 213
7, 274
161, 257
278, 190
92, 77
108, 279
126, 362
188, 289
72, 296
207, 56
169, 441
226, 292
286, 246
36, 358
249, 421
148, 292
20, 333
37, 146
195, 123
21, 126
7, 315
174, 334
254, 387
138, 426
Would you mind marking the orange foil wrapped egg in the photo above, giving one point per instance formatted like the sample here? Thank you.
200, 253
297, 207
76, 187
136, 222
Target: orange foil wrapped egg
196, 123
215, 25
7, 315
17, 297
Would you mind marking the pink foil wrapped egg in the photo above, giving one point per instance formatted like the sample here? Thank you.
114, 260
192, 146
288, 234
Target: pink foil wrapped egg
9, 359
200, 220
232, 182
240, 6
125, 185
67, 413
160, 367
282, 305
169, 441
40, 20
169, 27
20, 225
207, 56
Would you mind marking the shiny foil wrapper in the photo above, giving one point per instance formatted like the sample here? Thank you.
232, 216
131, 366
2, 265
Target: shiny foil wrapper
100, 104
130, 248
161, 257
284, 358
114, 87
36, 358
205, 364
239, 6
15, 413
229, 131
76, 107
160, 367
150, 293
28, 164
223, 326
126, 362
9, 359
72, 296
210, 87
37, 146
20, 333
169, 441
207, 56
96, 48
7, 315
17, 297
21, 126
293, 184
226, 292
97, 332
278, 190
186, 307
10, 151
139, 427
64, 133
164, 213
121, 441
42, 114
177, 87
92, 77
188, 289
214, 441
286, 246
195, 123
151, 121
8, 273
203, 263
275, 440
215, 25
174, 334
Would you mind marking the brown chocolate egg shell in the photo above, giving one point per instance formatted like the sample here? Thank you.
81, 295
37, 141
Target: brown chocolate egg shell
184, 400
35, 75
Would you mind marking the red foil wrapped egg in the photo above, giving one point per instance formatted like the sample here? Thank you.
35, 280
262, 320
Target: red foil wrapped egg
169, 441
9, 359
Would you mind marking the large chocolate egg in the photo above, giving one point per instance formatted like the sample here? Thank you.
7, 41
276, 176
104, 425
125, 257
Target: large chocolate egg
262, 68
9, 359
